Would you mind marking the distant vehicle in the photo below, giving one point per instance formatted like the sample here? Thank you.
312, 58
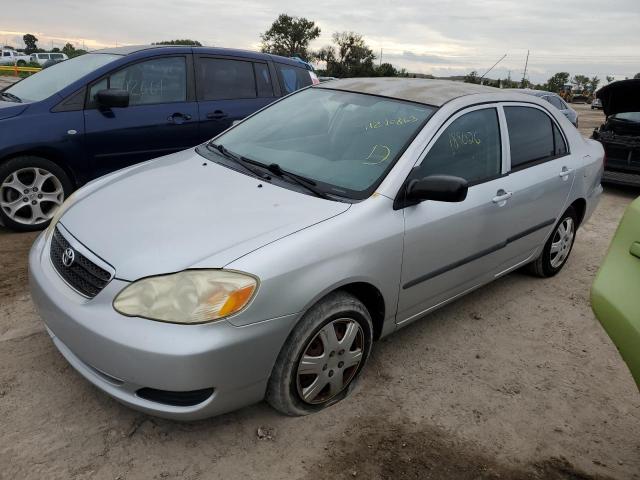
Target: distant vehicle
99, 112
614, 295
620, 134
596, 104
554, 100
13, 57
44, 58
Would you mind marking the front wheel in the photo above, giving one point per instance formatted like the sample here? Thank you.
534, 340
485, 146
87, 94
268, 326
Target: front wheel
21, 63
558, 247
31, 190
323, 357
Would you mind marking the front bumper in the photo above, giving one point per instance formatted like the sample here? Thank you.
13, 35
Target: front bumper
121, 355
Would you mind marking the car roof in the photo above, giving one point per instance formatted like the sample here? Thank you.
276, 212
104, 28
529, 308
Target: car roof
530, 91
420, 90
131, 49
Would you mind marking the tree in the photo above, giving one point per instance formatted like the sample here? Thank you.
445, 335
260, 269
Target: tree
593, 83
472, 77
289, 36
610, 79
637, 76
69, 50
386, 70
557, 81
55, 50
580, 81
30, 43
186, 41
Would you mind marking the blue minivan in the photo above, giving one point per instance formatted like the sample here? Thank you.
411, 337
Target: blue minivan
105, 110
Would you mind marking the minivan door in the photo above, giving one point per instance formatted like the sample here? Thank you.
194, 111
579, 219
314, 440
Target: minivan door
450, 248
162, 116
228, 90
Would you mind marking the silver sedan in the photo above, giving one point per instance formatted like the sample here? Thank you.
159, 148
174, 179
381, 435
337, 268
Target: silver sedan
267, 262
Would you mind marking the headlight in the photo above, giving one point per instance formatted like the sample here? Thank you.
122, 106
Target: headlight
192, 296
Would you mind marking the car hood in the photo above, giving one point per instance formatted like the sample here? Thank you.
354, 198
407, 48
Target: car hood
619, 97
11, 109
180, 211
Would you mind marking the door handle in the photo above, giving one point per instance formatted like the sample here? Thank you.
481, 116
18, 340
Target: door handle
564, 174
178, 117
635, 249
502, 197
217, 115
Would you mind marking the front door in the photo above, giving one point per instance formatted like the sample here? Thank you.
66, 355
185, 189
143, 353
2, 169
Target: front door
162, 116
450, 248
229, 89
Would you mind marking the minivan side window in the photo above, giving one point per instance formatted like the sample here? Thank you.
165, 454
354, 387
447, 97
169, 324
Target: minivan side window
531, 136
263, 80
469, 148
161, 80
292, 78
220, 79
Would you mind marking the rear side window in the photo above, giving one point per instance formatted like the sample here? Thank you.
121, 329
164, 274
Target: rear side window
292, 78
560, 145
263, 80
56, 56
468, 148
161, 80
531, 135
220, 79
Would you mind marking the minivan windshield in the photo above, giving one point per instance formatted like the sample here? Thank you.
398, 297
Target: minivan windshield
53, 79
344, 142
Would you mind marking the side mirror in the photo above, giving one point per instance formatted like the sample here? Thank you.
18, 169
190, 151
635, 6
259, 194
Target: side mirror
112, 97
441, 188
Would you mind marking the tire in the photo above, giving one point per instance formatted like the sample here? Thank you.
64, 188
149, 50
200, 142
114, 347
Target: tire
31, 189
295, 393
21, 63
550, 263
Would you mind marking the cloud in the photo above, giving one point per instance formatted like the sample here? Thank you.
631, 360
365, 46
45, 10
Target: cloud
428, 36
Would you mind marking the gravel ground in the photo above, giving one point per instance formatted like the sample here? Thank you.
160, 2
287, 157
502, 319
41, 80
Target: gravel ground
5, 81
516, 380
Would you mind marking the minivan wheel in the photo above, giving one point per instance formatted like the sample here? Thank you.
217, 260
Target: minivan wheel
323, 356
558, 247
31, 190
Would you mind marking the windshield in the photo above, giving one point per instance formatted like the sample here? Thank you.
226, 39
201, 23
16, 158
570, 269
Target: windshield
628, 116
53, 79
345, 142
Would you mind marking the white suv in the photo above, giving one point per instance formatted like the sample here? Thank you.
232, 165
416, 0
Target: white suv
12, 57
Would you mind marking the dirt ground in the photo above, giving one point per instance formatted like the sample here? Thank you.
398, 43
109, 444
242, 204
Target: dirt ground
516, 380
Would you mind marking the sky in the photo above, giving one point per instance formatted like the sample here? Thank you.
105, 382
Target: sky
439, 37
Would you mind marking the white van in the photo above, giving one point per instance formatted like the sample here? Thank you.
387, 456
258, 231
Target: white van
42, 58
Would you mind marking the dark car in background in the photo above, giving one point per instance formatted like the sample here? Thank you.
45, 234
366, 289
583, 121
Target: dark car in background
105, 110
620, 134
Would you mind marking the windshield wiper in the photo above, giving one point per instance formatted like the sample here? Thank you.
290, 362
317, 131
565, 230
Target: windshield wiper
299, 179
239, 159
11, 97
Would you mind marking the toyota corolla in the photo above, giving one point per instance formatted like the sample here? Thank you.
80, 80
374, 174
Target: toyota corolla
266, 262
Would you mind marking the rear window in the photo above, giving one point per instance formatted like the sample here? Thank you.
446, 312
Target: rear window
220, 79
292, 78
531, 135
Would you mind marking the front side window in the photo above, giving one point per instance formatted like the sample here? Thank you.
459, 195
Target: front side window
43, 56
220, 79
53, 79
56, 56
6, 54
292, 78
345, 142
161, 80
531, 135
468, 148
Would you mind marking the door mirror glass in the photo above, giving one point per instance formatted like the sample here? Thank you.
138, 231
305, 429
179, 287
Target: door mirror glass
440, 188
112, 98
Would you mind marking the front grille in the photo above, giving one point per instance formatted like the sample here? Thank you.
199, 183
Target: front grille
82, 274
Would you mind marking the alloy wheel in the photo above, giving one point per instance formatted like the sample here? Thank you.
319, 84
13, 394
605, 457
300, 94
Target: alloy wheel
31, 195
561, 243
330, 361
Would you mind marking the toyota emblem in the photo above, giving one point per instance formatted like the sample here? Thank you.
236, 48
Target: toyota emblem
68, 257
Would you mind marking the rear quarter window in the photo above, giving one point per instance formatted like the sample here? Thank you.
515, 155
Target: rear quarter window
292, 78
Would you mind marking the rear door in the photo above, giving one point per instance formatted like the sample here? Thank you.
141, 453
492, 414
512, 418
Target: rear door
161, 117
228, 90
541, 174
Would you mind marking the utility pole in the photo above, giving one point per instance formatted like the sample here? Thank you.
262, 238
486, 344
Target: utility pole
524, 74
380, 63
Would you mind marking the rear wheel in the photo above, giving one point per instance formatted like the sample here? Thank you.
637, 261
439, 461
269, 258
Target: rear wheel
558, 247
323, 357
31, 190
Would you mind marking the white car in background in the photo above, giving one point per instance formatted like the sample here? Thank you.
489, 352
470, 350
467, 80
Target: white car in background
43, 58
13, 57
